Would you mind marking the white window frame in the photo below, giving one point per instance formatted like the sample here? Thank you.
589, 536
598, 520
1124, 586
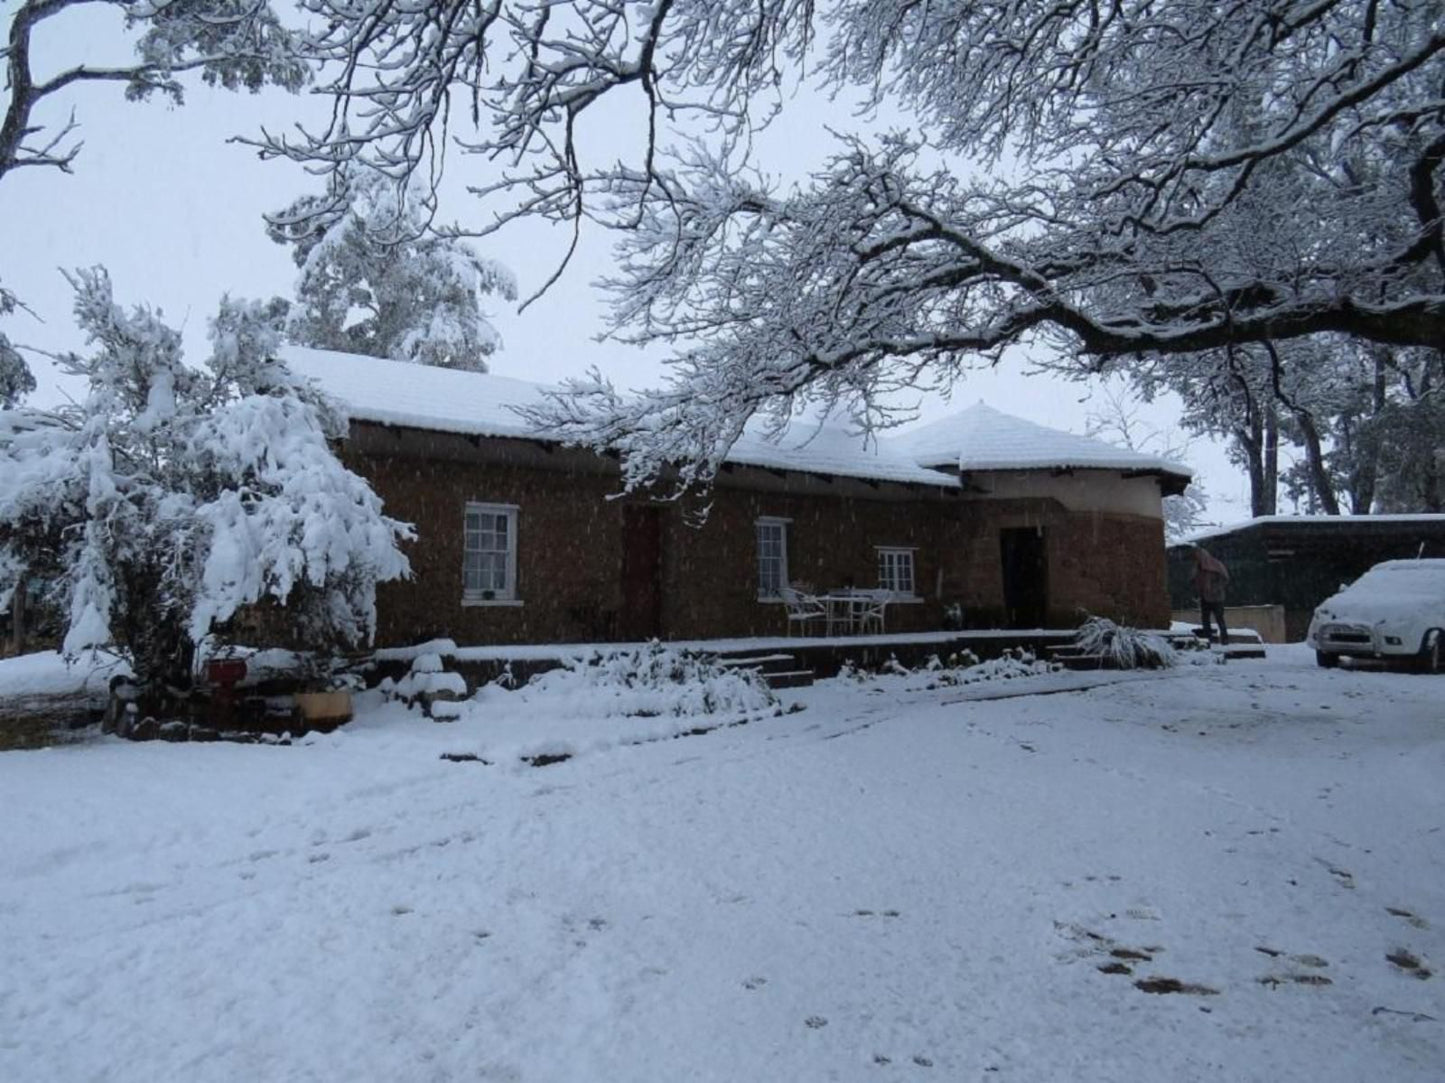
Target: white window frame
898, 554
507, 595
771, 522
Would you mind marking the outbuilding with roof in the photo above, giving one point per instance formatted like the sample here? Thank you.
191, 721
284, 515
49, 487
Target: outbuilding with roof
1283, 566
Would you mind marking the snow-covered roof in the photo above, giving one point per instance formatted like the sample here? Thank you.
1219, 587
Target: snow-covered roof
982, 438
831, 448
418, 396
1308, 521
482, 404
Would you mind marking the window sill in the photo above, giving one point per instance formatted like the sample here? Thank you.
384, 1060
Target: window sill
468, 603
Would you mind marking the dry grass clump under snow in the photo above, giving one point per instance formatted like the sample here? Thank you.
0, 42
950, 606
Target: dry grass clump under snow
1124, 647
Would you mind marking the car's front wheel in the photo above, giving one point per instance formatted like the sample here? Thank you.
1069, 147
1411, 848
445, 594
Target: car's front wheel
1326, 661
1432, 658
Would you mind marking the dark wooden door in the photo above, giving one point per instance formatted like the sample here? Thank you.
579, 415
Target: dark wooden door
1025, 576
641, 616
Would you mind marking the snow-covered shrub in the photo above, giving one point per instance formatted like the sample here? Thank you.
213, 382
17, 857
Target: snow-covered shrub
430, 686
171, 498
965, 668
1122, 646
654, 680
964, 658
961, 668
428, 680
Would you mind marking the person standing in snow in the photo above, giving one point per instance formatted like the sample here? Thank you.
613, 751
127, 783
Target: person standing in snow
1210, 578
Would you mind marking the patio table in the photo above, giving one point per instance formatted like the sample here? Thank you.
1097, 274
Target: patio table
847, 610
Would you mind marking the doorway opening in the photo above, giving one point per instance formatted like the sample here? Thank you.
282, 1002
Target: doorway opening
1025, 576
641, 613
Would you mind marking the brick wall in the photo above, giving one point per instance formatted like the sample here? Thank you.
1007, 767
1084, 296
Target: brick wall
570, 539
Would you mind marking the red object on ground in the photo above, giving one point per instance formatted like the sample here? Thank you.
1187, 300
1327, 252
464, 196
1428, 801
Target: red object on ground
225, 671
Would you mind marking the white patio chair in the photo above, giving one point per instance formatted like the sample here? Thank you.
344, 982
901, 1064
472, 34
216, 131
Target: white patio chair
802, 608
872, 608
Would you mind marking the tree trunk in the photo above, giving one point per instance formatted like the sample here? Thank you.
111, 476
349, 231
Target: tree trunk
1320, 485
1251, 444
1367, 460
17, 616
1271, 460
1433, 494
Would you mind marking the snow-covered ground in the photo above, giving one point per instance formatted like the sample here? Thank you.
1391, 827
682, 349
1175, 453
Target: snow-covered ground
896, 882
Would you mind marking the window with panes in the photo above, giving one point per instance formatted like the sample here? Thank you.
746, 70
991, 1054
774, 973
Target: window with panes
489, 553
772, 557
895, 571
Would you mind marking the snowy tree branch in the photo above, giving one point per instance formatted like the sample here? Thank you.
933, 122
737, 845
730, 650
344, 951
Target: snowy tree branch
1118, 180
236, 43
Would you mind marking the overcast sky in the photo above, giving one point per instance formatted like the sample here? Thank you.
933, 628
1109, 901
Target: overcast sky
174, 212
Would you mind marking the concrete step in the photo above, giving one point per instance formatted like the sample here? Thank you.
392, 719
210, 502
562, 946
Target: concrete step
773, 662
792, 678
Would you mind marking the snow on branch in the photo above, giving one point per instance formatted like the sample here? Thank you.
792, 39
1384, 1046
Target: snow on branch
1115, 181
236, 44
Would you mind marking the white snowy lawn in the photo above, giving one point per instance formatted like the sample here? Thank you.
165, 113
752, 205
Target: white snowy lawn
890, 884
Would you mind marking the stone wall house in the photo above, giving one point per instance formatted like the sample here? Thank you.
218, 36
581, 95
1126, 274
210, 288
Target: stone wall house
980, 517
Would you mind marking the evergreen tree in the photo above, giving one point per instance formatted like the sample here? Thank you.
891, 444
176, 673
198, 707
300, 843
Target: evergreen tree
16, 380
374, 281
172, 497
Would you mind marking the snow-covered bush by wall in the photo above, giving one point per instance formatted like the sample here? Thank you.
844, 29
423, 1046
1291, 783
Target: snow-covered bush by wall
959, 668
431, 686
1123, 647
651, 681
171, 497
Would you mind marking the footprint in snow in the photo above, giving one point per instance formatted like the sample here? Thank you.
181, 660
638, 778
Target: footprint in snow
1410, 963
1274, 981
1344, 877
1163, 985
815, 1022
754, 983
1413, 918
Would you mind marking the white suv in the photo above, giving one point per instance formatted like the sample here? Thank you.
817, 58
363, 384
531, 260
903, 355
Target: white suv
1396, 610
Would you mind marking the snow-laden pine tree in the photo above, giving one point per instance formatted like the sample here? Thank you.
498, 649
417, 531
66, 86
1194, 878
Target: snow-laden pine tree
1111, 181
374, 281
16, 379
172, 497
